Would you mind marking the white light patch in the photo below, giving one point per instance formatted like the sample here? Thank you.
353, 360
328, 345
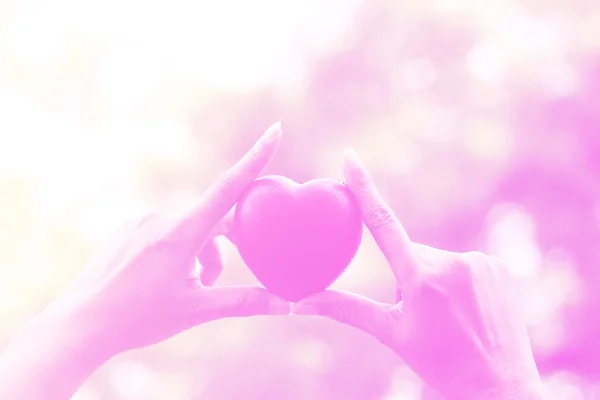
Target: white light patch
368, 267
107, 214
512, 238
86, 393
132, 380
526, 35
404, 385
544, 298
52, 205
449, 5
562, 386
419, 74
228, 44
311, 354
36, 36
487, 63
560, 80
10, 306
442, 126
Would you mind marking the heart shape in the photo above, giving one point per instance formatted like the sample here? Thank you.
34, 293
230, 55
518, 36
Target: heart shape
297, 239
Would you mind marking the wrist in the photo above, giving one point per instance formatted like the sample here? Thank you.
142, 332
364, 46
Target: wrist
526, 390
52, 355
76, 335
501, 391
512, 384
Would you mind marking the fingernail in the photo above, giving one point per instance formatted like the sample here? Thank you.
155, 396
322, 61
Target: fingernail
304, 309
352, 160
272, 134
279, 307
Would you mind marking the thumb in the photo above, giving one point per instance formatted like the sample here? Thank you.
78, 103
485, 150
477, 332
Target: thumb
211, 260
240, 301
225, 227
370, 316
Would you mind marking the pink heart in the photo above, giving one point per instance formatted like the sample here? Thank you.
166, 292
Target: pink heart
297, 239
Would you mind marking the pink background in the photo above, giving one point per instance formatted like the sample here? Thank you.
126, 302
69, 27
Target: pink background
479, 120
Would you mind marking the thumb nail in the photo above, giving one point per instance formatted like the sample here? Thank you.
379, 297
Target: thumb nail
273, 133
352, 160
279, 306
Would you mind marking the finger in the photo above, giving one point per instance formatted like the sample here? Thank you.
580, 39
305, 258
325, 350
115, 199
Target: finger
386, 229
225, 227
370, 316
211, 261
240, 301
197, 224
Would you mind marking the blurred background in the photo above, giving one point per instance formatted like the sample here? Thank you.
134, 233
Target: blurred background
479, 120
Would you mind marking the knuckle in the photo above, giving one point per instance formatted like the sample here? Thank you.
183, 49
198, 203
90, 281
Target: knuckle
380, 216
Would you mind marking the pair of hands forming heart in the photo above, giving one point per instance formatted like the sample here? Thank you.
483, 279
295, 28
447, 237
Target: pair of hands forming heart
458, 325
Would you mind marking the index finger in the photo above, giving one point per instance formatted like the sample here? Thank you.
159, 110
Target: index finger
222, 195
388, 232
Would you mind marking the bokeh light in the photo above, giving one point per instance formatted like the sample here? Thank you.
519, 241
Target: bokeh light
478, 120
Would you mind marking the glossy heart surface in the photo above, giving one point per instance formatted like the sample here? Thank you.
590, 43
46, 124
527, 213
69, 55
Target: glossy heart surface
297, 239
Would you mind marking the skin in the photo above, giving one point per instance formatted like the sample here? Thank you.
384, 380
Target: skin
458, 325
141, 290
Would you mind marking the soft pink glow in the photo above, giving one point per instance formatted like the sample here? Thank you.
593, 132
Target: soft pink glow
478, 122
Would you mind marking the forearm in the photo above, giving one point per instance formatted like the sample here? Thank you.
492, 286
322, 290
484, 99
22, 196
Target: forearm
48, 359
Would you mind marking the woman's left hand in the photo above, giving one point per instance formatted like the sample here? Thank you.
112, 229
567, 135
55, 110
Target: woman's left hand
140, 291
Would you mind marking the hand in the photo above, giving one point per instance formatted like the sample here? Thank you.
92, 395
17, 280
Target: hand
141, 290
458, 325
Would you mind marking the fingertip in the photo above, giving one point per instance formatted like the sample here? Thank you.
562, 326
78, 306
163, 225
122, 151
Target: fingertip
351, 164
351, 158
208, 279
244, 301
315, 304
210, 273
278, 306
273, 133
304, 309
355, 171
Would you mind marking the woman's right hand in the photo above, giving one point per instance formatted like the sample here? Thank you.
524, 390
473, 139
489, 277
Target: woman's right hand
458, 326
